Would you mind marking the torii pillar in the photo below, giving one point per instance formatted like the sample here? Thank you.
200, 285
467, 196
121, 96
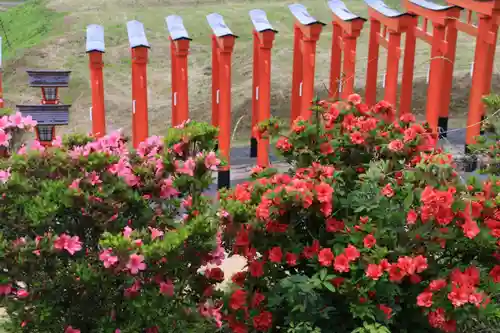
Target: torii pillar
223, 44
264, 35
306, 34
486, 33
443, 41
95, 50
347, 27
179, 50
139, 47
394, 24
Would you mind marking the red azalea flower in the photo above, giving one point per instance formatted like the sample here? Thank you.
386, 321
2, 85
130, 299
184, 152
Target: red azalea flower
334, 225
396, 145
351, 252
311, 251
325, 257
291, 259
263, 321
385, 309
437, 285
239, 278
238, 299
337, 282
216, 274
257, 299
369, 241
412, 216
275, 254
495, 274
388, 191
256, 268
341, 263
425, 299
374, 271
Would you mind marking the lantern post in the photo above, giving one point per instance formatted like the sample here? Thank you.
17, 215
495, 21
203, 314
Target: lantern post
50, 112
139, 50
1, 76
179, 46
394, 24
95, 50
306, 34
347, 27
222, 45
264, 35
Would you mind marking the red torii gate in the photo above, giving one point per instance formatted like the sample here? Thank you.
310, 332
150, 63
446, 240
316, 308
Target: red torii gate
486, 32
395, 23
443, 42
347, 27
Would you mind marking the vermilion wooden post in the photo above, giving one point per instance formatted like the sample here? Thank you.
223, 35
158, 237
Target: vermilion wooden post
95, 50
395, 24
264, 36
443, 43
486, 31
310, 30
1, 76
296, 73
179, 43
346, 30
224, 41
215, 82
139, 47
255, 94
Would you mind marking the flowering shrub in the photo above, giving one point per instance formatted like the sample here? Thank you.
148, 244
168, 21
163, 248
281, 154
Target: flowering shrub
12, 127
97, 238
371, 230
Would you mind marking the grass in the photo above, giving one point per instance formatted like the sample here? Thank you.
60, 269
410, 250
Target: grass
62, 45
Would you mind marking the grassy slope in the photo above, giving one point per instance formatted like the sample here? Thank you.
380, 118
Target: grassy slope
65, 49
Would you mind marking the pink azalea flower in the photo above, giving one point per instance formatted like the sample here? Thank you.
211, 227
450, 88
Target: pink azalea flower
4, 176
5, 289
107, 258
29, 123
127, 231
155, 233
36, 145
167, 190
4, 138
94, 178
17, 120
57, 142
136, 263
4, 122
167, 288
70, 244
211, 161
22, 293
75, 185
187, 167
70, 329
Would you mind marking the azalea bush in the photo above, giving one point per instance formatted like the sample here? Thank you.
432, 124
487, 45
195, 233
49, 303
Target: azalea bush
371, 230
12, 128
95, 237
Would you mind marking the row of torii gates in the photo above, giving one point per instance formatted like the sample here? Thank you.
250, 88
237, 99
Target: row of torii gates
439, 28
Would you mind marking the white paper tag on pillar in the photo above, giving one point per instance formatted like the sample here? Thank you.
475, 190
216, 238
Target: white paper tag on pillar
219, 27
340, 85
339, 8
175, 98
217, 96
301, 14
176, 28
95, 38
300, 89
260, 21
136, 34
133, 106
472, 69
257, 93
428, 73
90, 113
